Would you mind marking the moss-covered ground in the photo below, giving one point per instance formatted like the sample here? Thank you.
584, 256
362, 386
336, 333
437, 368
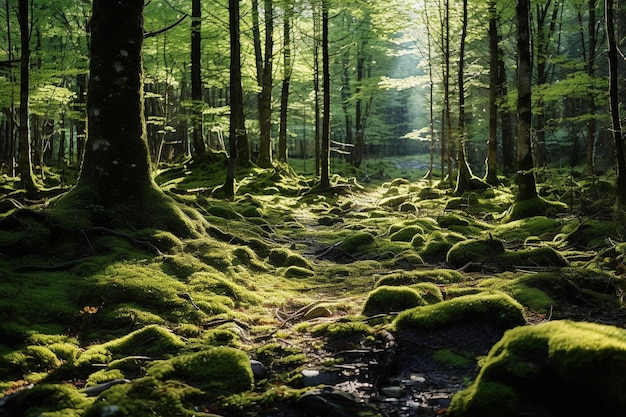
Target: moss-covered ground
388, 288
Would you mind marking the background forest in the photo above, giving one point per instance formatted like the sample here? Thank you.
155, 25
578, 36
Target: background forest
394, 81
312, 208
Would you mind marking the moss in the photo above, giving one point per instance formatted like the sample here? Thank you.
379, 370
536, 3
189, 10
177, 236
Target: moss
298, 272
358, 242
418, 241
220, 285
535, 207
491, 252
104, 375
406, 233
342, 329
146, 396
447, 357
498, 310
50, 400
438, 243
386, 299
430, 292
221, 368
580, 358
165, 241
529, 226
283, 257
441, 276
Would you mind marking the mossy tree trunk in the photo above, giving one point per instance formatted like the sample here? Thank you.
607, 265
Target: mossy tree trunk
199, 147
525, 176
265, 80
491, 176
284, 93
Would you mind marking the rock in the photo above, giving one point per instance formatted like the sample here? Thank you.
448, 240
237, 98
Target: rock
329, 402
258, 369
316, 312
393, 392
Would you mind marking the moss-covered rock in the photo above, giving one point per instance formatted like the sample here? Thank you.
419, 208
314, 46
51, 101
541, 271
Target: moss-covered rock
559, 368
386, 299
439, 276
358, 242
529, 226
406, 233
283, 257
491, 252
497, 309
535, 207
222, 369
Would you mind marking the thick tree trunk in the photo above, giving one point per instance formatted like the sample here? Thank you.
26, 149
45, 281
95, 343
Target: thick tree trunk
525, 177
616, 127
491, 176
27, 178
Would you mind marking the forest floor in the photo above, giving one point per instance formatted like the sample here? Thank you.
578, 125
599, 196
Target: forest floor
295, 280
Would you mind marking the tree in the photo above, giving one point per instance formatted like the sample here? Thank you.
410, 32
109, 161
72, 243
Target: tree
491, 176
284, 93
325, 139
237, 129
525, 177
115, 188
27, 178
199, 147
616, 127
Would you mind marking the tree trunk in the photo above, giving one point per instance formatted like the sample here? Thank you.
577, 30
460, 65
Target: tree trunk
525, 177
27, 178
616, 127
446, 89
325, 145
506, 119
199, 147
316, 88
464, 173
265, 96
237, 130
284, 94
491, 176
591, 63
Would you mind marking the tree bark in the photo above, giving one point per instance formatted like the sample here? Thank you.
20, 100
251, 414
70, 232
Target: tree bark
616, 127
199, 147
284, 93
491, 176
525, 176
590, 67
27, 177
265, 96
325, 145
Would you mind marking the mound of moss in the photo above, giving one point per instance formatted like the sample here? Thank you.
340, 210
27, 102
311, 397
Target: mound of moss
491, 252
407, 233
535, 207
439, 276
530, 226
386, 299
222, 369
283, 257
437, 245
559, 368
358, 242
497, 309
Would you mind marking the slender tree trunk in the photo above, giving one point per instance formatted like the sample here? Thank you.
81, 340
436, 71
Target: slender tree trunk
464, 173
237, 128
362, 109
325, 145
316, 88
431, 92
27, 178
591, 109
284, 94
491, 176
446, 90
525, 177
616, 127
506, 118
199, 146
265, 96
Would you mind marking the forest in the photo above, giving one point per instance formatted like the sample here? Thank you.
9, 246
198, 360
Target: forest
312, 208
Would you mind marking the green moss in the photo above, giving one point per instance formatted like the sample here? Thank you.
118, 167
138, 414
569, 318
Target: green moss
430, 292
298, 272
535, 207
358, 242
449, 220
440, 276
447, 357
220, 285
50, 400
386, 299
221, 368
165, 241
104, 375
342, 329
491, 252
580, 358
407, 233
499, 310
283, 257
529, 226
438, 243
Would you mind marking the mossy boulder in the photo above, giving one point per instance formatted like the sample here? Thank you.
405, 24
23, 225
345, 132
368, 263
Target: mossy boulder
358, 242
437, 245
298, 272
283, 257
406, 233
54, 400
529, 226
490, 252
386, 299
438, 276
222, 369
535, 207
559, 368
496, 309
